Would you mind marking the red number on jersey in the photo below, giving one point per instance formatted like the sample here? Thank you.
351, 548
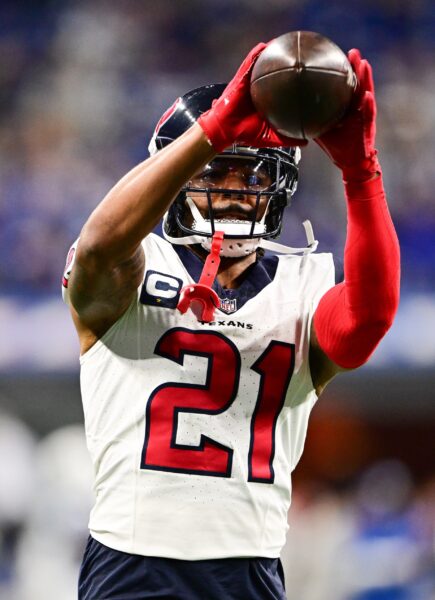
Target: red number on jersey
275, 366
162, 452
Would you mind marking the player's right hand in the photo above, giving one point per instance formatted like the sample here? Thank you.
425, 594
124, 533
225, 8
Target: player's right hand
233, 118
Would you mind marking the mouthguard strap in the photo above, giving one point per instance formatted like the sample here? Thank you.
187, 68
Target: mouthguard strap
200, 297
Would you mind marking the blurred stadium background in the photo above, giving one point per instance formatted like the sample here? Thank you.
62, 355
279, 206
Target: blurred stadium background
81, 86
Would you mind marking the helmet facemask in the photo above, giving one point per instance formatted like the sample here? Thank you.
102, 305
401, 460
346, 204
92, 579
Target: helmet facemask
182, 226
247, 213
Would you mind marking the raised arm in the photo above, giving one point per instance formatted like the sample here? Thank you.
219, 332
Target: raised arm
353, 316
109, 262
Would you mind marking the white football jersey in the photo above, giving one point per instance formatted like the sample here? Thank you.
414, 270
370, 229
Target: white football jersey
194, 428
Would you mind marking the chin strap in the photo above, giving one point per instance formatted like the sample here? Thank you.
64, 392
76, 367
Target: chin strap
200, 296
311, 246
236, 246
204, 241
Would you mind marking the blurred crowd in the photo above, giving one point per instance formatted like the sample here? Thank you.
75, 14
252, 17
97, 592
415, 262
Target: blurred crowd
83, 83
374, 540
371, 539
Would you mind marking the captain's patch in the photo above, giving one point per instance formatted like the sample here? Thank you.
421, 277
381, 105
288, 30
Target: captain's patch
160, 289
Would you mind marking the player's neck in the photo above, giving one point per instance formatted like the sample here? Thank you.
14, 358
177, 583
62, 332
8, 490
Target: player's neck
231, 270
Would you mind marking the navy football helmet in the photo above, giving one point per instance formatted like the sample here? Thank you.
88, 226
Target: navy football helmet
183, 223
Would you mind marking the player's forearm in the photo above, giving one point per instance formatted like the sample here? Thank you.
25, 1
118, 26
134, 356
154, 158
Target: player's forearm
353, 316
372, 255
135, 205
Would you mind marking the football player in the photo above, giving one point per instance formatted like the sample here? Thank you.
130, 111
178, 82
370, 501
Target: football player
202, 357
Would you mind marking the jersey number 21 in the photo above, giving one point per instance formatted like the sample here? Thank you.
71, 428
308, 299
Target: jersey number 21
162, 452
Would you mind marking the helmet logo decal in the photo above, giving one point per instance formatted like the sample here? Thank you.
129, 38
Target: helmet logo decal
167, 114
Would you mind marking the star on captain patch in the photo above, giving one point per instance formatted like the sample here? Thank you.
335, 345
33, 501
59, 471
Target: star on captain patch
228, 305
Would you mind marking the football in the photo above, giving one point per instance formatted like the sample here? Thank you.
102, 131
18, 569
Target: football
302, 83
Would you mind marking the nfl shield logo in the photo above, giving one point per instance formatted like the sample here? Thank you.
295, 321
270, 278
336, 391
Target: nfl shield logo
228, 305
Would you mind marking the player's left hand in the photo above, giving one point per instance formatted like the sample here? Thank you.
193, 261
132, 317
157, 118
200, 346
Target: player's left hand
351, 143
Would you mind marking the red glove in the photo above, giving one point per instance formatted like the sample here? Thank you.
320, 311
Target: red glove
233, 118
351, 143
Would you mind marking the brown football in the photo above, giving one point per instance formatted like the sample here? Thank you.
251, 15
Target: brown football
302, 83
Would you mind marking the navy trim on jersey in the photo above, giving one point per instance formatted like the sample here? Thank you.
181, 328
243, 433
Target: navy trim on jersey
339, 269
256, 277
108, 574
